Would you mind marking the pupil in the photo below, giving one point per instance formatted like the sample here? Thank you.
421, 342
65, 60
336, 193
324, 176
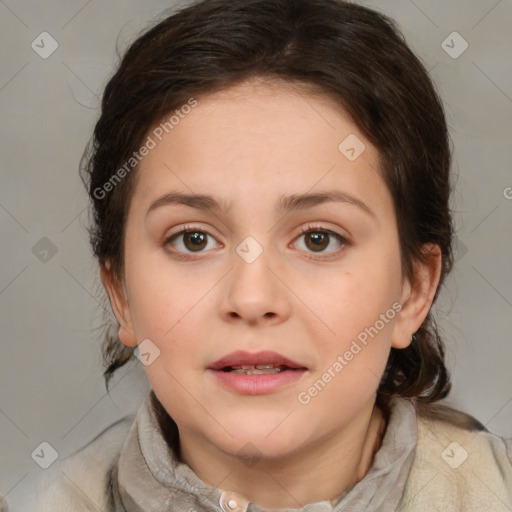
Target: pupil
317, 239
198, 240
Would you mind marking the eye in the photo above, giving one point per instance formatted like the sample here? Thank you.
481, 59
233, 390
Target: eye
188, 240
192, 239
317, 239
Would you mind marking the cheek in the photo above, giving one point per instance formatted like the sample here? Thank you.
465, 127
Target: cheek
336, 395
172, 312
354, 300
359, 308
353, 359
160, 295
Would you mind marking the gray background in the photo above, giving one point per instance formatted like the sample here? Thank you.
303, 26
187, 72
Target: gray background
52, 386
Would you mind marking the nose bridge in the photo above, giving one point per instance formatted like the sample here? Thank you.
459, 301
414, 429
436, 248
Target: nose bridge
254, 290
252, 259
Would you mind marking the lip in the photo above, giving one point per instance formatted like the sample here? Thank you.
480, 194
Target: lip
241, 357
256, 384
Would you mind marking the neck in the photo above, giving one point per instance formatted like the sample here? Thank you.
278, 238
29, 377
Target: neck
323, 471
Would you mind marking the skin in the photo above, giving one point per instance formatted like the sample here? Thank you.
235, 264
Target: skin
247, 146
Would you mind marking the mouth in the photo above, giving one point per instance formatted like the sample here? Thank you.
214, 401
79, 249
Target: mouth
256, 363
258, 369
257, 373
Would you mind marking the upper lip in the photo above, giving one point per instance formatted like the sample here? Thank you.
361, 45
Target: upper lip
241, 357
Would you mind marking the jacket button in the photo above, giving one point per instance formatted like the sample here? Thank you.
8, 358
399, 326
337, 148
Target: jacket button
231, 502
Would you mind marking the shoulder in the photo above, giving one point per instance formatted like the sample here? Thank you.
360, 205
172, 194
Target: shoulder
80, 481
458, 465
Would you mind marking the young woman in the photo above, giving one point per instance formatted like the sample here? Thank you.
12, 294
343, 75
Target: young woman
270, 182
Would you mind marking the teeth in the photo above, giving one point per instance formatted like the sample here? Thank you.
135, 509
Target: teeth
256, 371
252, 366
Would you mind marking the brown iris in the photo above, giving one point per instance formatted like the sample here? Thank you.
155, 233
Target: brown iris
320, 240
197, 239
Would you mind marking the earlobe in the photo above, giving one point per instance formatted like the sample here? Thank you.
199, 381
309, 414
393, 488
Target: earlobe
119, 305
127, 337
418, 297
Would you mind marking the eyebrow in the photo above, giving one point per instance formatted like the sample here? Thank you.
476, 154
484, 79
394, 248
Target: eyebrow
284, 203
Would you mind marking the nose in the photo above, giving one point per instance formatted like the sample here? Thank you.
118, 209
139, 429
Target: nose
256, 291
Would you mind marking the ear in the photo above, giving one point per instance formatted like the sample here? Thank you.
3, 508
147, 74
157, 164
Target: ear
119, 303
417, 297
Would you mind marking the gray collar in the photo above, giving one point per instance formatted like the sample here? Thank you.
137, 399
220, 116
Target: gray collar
149, 476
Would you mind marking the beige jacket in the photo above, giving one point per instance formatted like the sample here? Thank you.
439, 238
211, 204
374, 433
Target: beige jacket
423, 465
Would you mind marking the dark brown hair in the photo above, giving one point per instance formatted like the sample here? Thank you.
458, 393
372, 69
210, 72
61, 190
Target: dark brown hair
352, 54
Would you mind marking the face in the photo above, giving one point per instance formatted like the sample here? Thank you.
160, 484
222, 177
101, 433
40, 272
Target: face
263, 268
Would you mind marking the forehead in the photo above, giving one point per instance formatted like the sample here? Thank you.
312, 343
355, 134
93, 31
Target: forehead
257, 138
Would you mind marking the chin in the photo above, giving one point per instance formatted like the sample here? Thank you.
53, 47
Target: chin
251, 451
260, 441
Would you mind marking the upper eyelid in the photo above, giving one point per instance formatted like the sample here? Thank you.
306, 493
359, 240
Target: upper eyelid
188, 228
303, 230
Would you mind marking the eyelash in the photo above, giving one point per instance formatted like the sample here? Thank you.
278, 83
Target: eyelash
307, 229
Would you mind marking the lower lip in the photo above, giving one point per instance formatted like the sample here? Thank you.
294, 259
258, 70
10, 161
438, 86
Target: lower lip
257, 384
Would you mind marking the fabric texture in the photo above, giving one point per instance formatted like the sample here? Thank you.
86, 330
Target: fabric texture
422, 464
